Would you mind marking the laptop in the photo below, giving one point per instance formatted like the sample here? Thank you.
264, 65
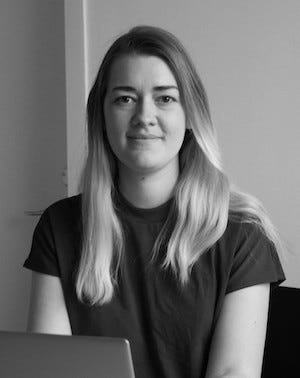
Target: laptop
24, 355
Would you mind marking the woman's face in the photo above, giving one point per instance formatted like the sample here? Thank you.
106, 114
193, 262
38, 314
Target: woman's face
144, 118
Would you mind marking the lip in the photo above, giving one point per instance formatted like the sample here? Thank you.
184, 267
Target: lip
150, 136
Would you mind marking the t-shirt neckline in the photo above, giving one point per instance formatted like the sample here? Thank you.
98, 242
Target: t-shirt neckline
152, 215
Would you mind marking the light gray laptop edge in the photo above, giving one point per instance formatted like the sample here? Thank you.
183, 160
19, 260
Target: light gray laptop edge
55, 356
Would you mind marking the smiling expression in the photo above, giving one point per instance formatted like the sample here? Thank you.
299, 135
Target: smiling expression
144, 118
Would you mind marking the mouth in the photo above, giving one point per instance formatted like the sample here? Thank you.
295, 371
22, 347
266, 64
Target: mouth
144, 137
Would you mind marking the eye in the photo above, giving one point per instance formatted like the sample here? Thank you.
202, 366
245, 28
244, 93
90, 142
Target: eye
124, 100
167, 99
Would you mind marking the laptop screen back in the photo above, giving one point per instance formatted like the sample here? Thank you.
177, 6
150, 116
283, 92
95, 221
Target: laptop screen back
47, 356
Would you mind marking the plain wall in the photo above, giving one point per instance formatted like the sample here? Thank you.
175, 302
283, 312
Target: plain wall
32, 138
248, 56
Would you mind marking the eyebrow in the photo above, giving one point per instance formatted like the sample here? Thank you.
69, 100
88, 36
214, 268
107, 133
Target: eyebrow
132, 89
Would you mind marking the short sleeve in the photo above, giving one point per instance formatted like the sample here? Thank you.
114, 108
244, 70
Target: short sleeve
255, 261
42, 257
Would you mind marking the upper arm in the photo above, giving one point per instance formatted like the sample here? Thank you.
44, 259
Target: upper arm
238, 342
47, 310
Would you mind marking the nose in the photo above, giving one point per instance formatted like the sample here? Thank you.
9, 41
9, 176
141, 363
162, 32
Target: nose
145, 113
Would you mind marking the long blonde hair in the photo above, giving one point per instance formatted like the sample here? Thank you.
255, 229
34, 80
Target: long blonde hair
204, 197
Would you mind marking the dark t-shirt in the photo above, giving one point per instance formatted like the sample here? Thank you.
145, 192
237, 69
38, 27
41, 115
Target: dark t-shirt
169, 327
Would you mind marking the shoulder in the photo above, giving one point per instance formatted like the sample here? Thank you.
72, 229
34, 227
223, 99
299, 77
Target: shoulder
243, 241
56, 238
238, 233
253, 257
238, 242
63, 214
72, 204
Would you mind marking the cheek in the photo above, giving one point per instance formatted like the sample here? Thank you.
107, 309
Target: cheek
112, 126
115, 135
177, 128
116, 121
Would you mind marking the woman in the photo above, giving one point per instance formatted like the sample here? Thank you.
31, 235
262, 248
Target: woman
159, 248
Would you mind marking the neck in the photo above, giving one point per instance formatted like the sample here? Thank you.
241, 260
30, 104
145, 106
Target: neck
149, 190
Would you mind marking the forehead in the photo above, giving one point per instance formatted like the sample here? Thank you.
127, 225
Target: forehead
138, 70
